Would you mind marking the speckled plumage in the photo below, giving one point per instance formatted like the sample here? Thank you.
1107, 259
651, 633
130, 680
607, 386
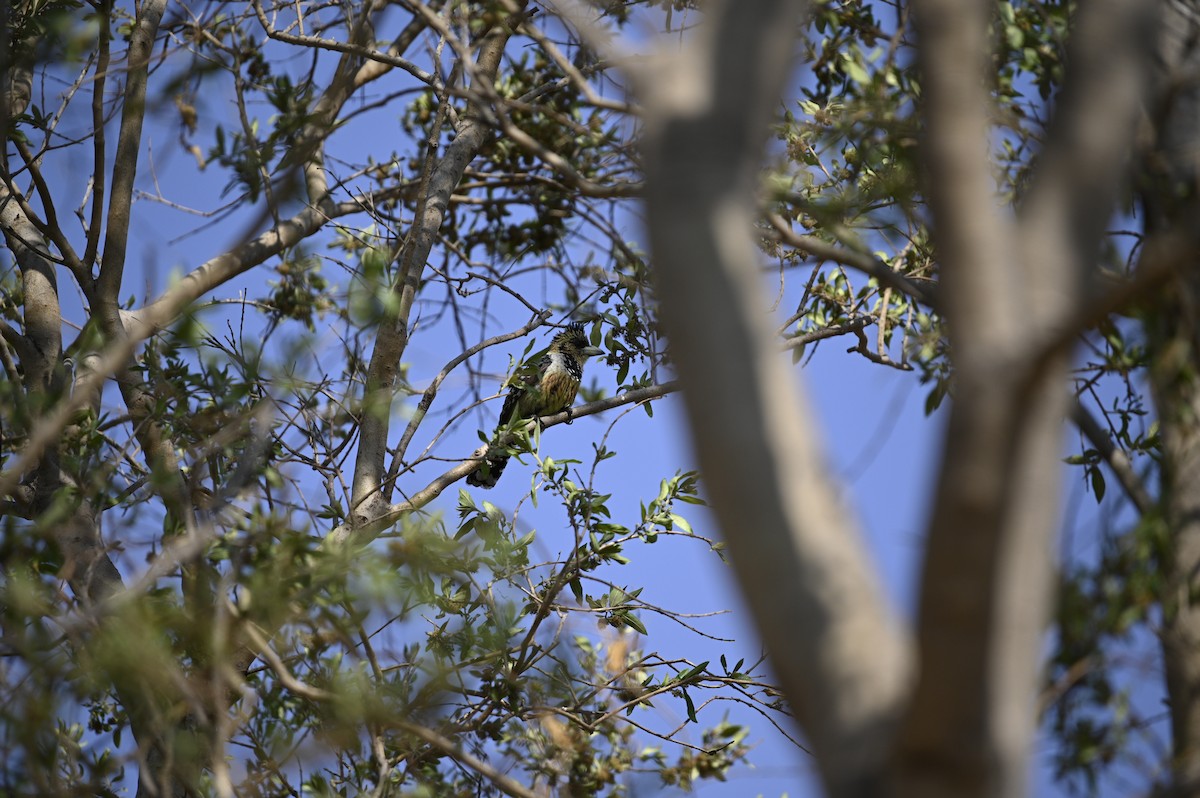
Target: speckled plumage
549, 391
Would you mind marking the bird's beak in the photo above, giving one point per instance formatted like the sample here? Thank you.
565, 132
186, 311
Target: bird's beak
591, 351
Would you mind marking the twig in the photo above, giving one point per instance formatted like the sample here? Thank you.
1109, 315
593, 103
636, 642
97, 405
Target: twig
1118, 462
506, 784
364, 533
867, 264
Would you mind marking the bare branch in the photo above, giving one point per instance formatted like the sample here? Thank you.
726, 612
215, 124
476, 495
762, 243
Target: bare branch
389, 58
129, 140
276, 663
430, 393
99, 165
224, 267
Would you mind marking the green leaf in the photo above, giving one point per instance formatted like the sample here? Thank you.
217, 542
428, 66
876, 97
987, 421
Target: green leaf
633, 622
680, 522
691, 708
1098, 486
466, 528
934, 400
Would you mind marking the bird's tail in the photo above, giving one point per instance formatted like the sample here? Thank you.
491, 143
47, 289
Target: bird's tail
488, 472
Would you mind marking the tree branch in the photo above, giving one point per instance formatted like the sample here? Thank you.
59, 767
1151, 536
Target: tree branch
862, 261
430, 393
507, 784
367, 490
1116, 459
352, 48
129, 140
367, 531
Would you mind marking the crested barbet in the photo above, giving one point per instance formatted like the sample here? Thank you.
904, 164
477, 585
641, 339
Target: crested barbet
551, 390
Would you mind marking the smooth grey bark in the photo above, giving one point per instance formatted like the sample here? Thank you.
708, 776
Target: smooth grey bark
139, 396
91, 572
129, 142
840, 656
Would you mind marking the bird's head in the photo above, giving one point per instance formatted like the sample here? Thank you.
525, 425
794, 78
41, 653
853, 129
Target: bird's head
573, 341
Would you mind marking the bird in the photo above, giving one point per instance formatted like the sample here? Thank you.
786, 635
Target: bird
549, 390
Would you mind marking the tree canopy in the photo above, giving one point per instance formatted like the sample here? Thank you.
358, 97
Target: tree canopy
271, 267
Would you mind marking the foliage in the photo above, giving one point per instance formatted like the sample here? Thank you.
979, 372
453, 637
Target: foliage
503, 640
493, 639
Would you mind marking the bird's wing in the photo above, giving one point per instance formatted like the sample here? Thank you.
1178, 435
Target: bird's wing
525, 379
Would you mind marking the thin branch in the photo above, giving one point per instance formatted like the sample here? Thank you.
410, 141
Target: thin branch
507, 784
862, 261
497, 104
276, 663
1117, 460
573, 73
853, 326
369, 530
360, 51
99, 166
240, 259
430, 393
51, 227
129, 140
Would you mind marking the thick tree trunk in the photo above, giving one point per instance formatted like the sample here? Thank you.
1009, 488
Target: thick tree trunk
1171, 194
1179, 409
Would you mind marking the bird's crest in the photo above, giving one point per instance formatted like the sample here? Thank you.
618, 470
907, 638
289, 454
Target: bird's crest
572, 335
